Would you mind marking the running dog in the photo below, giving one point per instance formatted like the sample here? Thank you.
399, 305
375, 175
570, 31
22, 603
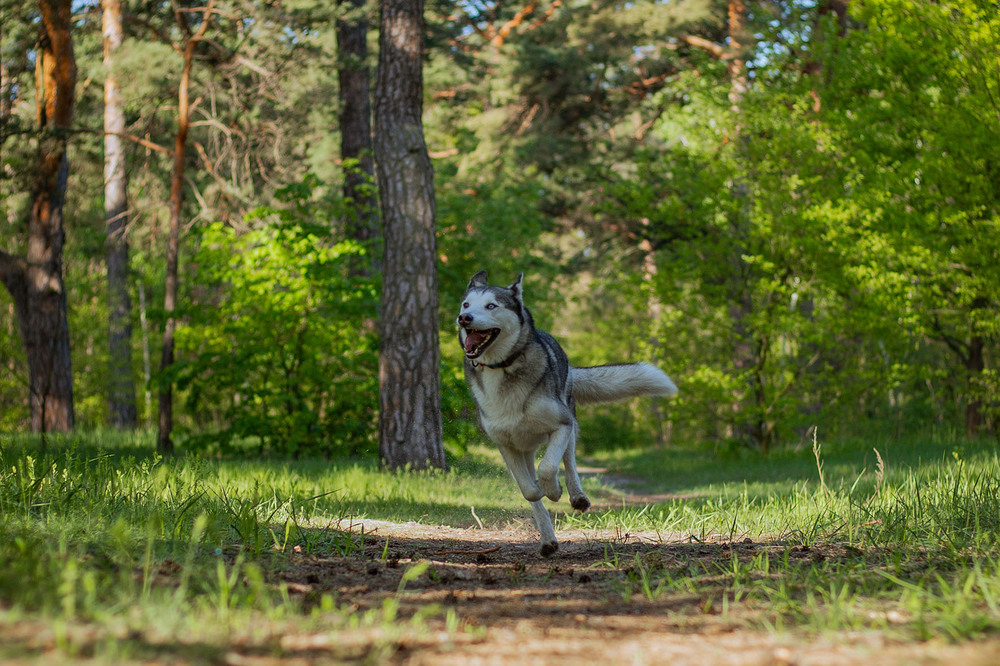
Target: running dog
526, 393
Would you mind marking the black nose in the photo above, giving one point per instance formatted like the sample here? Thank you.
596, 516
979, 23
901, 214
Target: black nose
464, 319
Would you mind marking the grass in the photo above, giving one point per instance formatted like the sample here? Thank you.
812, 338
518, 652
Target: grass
905, 536
99, 531
924, 493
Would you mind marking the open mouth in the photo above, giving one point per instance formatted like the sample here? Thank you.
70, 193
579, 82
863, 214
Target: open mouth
476, 342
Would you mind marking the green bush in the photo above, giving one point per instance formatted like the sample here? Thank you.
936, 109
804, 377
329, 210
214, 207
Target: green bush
283, 350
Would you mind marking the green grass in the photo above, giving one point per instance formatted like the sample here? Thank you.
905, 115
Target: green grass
98, 529
909, 538
923, 493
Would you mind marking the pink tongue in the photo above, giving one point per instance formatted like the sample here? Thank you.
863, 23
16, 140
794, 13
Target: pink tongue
473, 340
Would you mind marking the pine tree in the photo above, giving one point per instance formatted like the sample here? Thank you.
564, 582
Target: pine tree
409, 394
35, 281
121, 391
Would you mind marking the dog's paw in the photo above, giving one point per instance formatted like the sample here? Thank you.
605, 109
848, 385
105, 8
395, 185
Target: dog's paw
581, 503
549, 549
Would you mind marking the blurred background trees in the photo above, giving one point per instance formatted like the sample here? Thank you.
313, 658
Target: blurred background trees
791, 207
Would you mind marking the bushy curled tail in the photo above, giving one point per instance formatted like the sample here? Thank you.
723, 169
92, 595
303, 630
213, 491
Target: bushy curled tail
611, 383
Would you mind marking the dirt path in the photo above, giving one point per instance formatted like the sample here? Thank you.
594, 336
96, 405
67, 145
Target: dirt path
583, 606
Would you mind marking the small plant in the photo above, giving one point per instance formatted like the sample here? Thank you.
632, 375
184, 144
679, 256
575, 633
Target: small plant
879, 472
817, 449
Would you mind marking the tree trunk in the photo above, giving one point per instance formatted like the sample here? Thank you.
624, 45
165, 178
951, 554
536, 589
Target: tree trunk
748, 353
35, 281
166, 414
356, 130
737, 64
121, 384
6, 94
655, 308
409, 396
813, 67
975, 364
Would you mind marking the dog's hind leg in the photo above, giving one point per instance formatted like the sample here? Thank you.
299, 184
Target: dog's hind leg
544, 522
521, 466
577, 498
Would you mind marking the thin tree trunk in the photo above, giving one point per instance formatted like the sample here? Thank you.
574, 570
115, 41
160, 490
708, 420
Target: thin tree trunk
146, 372
356, 130
737, 64
166, 413
655, 307
813, 67
748, 354
975, 363
6, 94
409, 396
35, 281
121, 385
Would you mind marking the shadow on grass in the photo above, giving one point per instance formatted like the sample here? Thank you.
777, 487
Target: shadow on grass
694, 470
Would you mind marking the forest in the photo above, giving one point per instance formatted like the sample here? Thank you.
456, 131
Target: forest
792, 207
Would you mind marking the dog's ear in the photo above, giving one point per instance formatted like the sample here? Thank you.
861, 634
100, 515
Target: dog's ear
478, 280
517, 287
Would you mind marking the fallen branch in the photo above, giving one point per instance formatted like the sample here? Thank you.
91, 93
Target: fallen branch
467, 552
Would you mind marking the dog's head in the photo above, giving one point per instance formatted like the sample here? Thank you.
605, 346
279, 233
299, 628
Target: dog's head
491, 319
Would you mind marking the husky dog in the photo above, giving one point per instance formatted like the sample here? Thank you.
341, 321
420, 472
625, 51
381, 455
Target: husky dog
526, 393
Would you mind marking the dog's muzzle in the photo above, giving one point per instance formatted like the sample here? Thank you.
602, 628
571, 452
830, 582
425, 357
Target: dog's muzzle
476, 341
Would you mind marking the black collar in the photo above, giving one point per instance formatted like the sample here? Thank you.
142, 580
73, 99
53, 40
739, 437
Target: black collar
507, 362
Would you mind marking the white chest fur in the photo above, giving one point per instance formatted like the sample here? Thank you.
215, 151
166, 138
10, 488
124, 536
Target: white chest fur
511, 415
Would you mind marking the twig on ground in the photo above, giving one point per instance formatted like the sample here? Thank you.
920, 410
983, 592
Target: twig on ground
467, 552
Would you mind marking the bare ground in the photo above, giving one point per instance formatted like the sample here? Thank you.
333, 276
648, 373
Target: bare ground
513, 606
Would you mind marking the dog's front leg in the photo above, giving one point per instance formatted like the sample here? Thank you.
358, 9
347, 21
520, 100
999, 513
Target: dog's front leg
544, 522
548, 469
522, 467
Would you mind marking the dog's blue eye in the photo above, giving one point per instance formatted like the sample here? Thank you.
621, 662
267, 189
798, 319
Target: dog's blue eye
491, 306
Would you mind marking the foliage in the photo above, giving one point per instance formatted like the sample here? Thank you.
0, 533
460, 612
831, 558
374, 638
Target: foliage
807, 252
924, 207
281, 346
817, 250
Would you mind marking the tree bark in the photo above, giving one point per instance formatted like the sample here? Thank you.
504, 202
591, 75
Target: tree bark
165, 421
737, 64
409, 396
35, 281
356, 130
122, 411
